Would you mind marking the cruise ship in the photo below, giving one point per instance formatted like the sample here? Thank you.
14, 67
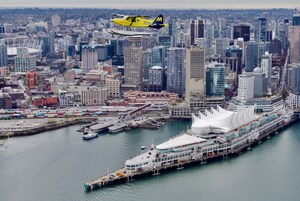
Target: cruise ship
216, 132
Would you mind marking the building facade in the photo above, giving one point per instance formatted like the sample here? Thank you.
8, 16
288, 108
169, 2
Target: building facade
175, 70
215, 79
246, 87
133, 66
197, 30
89, 58
23, 61
195, 77
156, 79
3, 54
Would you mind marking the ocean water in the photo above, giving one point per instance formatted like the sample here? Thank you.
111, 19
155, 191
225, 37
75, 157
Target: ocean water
53, 166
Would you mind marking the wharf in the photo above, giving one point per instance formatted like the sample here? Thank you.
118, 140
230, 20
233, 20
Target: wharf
117, 127
101, 127
45, 126
122, 176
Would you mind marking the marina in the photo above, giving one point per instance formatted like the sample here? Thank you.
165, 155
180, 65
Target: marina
217, 135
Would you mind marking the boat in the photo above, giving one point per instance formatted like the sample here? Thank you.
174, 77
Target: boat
90, 136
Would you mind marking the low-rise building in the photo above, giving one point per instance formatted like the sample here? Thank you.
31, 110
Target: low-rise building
68, 99
45, 101
152, 97
5, 101
113, 87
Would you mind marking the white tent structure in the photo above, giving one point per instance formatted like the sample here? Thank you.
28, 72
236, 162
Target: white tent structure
221, 121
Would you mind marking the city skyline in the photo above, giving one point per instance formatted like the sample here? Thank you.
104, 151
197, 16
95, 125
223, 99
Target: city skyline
154, 4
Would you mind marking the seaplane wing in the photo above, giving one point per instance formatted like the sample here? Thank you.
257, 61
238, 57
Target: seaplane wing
127, 33
131, 16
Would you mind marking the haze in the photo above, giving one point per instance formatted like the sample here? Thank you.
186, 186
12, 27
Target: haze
156, 4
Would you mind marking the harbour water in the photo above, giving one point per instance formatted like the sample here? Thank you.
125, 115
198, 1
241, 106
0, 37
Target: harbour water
55, 165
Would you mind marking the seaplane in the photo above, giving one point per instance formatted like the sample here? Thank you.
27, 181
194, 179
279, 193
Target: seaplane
136, 21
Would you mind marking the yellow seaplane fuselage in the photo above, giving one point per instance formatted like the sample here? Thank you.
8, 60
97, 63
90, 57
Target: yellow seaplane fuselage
140, 22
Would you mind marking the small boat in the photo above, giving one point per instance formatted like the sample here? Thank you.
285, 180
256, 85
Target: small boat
143, 147
89, 136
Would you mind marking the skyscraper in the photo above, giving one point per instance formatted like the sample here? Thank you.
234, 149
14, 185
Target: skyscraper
241, 31
251, 56
260, 82
133, 66
175, 70
295, 44
261, 29
296, 19
295, 81
89, 58
276, 47
153, 57
215, 79
266, 66
197, 30
3, 54
195, 77
221, 45
156, 79
246, 87
209, 34
147, 63
56, 20
158, 56
233, 59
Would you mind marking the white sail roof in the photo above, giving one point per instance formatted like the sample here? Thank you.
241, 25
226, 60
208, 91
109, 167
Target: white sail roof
221, 120
182, 140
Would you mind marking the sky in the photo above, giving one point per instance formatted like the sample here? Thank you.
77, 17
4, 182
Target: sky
158, 4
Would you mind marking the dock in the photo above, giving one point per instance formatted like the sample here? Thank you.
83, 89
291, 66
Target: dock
117, 127
101, 126
122, 175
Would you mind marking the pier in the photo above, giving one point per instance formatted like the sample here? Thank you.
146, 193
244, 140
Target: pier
35, 128
122, 175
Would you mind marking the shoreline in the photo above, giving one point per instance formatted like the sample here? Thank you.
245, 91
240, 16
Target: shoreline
106, 180
49, 126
